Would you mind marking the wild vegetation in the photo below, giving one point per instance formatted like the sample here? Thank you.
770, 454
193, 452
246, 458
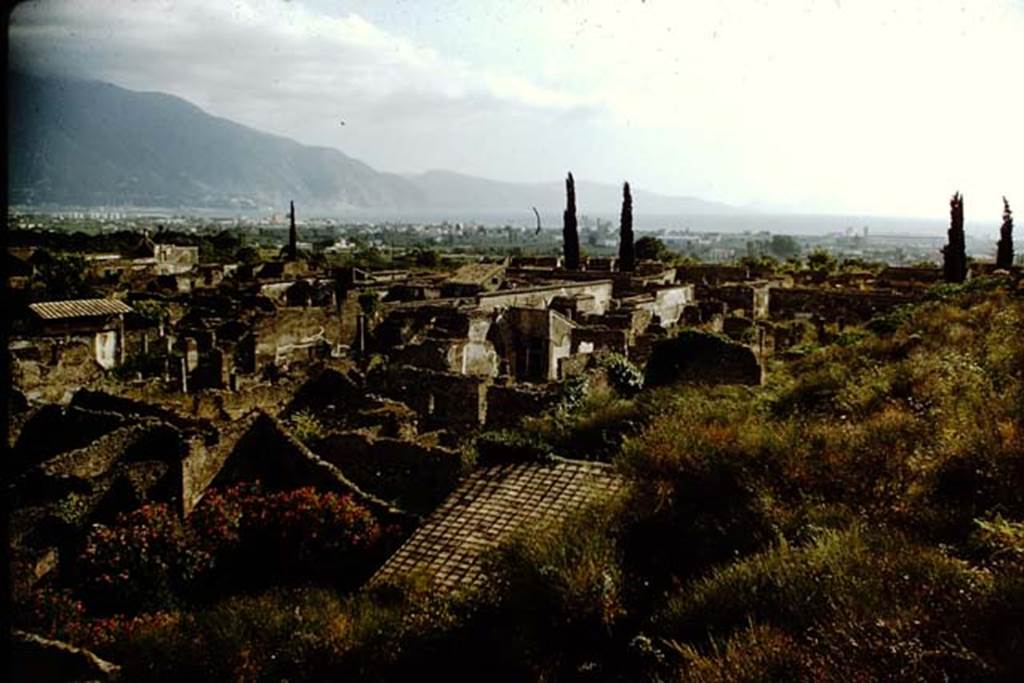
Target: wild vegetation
858, 517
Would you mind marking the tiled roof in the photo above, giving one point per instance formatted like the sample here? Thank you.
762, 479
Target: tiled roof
489, 507
79, 308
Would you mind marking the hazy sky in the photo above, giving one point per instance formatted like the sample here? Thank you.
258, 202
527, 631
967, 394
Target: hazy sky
835, 105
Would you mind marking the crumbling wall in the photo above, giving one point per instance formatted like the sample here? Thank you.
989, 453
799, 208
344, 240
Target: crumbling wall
102, 401
203, 462
701, 358
739, 329
540, 297
570, 366
601, 338
831, 305
279, 335
267, 453
633, 320
45, 368
507, 404
415, 476
669, 303
54, 429
752, 300
560, 333
909, 277
711, 274
441, 399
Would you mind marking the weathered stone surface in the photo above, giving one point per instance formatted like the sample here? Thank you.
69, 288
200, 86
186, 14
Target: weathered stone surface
440, 399
702, 358
41, 660
267, 452
54, 429
415, 476
852, 305
508, 404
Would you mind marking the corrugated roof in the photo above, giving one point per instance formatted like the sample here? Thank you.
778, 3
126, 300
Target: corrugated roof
79, 308
489, 507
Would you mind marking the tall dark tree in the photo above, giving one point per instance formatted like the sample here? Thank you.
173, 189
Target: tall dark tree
1004, 253
570, 235
293, 234
954, 254
627, 254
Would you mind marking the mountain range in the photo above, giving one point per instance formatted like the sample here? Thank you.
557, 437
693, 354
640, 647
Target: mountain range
88, 143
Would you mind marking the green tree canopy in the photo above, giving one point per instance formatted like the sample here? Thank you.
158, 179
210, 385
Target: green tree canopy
652, 249
784, 246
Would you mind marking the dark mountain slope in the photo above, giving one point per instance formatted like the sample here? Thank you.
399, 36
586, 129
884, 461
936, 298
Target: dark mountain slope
90, 143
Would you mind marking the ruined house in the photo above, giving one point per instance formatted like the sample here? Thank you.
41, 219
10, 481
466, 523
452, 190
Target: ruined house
474, 278
68, 344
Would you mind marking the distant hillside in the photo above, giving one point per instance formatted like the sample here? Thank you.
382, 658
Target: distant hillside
87, 143
454, 191
90, 143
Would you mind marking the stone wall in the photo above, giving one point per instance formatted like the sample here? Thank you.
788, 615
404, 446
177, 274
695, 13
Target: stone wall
266, 452
440, 399
601, 338
752, 300
541, 296
908, 277
54, 429
508, 404
711, 274
45, 368
414, 476
701, 358
203, 462
669, 303
851, 305
284, 334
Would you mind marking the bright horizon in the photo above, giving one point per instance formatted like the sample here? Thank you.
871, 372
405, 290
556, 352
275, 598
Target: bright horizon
830, 107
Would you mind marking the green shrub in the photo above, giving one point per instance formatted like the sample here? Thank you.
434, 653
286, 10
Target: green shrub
625, 378
562, 589
507, 445
1000, 540
702, 476
306, 427
570, 572
285, 634
868, 599
887, 323
573, 394
757, 654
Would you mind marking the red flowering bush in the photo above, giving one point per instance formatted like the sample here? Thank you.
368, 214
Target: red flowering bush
52, 613
143, 561
56, 613
238, 538
305, 534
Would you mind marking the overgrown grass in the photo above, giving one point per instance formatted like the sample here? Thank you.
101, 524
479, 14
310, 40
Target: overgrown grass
860, 517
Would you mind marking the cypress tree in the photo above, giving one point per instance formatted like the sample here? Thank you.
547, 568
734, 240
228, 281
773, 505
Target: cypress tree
293, 234
627, 255
1004, 253
570, 236
954, 254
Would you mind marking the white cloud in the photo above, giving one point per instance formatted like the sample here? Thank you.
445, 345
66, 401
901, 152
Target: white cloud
870, 106
282, 67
